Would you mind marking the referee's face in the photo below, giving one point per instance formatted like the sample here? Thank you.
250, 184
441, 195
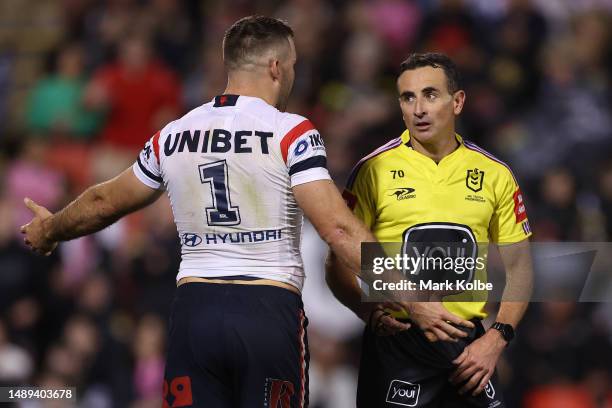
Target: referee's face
428, 108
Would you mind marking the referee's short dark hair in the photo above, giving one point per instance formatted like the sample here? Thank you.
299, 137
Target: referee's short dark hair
434, 60
252, 36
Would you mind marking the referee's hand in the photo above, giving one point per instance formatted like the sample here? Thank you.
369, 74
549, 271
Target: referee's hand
436, 321
476, 364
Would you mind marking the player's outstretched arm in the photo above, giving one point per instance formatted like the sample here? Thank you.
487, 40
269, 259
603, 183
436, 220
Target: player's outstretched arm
96, 208
476, 364
325, 208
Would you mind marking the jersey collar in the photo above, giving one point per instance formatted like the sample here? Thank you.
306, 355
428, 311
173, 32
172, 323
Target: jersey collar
221, 101
406, 139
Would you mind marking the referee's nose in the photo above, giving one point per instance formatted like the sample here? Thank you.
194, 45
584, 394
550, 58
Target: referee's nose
419, 108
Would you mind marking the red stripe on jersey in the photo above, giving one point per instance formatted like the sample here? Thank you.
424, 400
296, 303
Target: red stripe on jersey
302, 346
156, 146
293, 134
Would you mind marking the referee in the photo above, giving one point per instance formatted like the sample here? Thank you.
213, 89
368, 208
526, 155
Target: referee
431, 185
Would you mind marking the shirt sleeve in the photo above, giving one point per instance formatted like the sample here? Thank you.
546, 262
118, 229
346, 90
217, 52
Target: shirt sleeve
147, 167
304, 154
509, 223
358, 194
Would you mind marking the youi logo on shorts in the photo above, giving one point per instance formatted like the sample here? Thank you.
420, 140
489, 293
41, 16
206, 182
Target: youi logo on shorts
489, 390
403, 393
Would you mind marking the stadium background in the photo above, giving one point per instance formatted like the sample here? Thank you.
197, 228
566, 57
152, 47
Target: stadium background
538, 80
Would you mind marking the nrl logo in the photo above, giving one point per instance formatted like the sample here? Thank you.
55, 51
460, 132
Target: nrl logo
403, 193
474, 180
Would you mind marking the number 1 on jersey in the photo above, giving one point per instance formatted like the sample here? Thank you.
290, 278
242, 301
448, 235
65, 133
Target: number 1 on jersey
222, 212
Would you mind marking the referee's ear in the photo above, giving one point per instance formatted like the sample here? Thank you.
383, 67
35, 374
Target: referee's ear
458, 101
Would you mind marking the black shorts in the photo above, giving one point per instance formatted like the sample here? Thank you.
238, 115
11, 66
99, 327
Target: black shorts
406, 370
236, 346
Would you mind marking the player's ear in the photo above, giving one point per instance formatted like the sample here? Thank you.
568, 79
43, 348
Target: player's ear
275, 69
458, 101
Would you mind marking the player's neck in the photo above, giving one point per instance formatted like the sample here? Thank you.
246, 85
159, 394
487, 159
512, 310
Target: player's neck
251, 87
436, 150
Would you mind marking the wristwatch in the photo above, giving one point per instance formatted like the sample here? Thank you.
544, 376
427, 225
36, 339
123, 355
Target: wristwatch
506, 330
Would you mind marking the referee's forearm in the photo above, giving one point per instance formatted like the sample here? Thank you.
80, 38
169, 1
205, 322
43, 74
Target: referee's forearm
519, 282
511, 312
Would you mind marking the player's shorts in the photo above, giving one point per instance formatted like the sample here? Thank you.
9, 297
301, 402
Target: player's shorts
236, 346
406, 370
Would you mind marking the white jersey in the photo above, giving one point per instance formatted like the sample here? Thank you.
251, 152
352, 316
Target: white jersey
228, 167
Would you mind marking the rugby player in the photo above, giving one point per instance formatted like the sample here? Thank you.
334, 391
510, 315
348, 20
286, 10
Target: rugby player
240, 173
427, 185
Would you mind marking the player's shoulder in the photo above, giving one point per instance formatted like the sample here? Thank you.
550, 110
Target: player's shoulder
292, 122
487, 161
371, 160
192, 116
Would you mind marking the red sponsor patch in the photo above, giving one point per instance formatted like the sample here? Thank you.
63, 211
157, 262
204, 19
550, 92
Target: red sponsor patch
519, 206
178, 393
350, 199
280, 393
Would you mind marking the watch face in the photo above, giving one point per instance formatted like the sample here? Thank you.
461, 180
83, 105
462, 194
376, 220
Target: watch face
509, 332
506, 330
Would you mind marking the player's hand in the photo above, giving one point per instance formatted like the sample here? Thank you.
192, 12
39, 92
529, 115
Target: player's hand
34, 231
477, 363
383, 324
435, 321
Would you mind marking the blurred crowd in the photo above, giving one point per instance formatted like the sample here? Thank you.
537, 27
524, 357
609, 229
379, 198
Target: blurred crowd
84, 83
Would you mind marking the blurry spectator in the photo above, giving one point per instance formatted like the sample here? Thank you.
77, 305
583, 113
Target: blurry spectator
538, 77
557, 216
6, 64
402, 21
605, 189
312, 21
95, 296
450, 29
358, 106
520, 36
106, 24
333, 383
16, 365
154, 270
149, 351
27, 176
204, 82
56, 102
139, 93
558, 346
561, 396
171, 29
82, 337
20, 272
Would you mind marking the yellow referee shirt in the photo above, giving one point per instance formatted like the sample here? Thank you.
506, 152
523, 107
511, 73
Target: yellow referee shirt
398, 191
